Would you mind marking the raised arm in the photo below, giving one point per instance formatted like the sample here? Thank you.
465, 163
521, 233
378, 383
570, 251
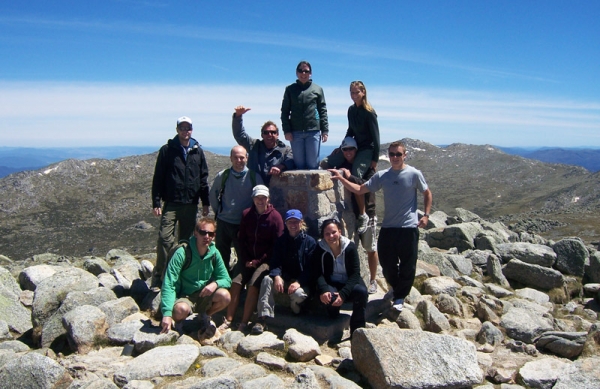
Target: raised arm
352, 187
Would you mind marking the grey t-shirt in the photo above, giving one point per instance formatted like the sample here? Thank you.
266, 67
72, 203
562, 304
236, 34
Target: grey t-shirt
399, 195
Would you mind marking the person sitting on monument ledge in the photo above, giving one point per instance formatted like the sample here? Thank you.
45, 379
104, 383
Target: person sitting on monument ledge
289, 270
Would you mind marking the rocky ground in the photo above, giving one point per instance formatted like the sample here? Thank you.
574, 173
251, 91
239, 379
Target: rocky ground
490, 308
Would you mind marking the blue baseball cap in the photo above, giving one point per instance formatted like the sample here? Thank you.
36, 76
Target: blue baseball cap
293, 214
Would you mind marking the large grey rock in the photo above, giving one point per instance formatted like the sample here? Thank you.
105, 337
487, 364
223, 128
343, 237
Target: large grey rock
230, 340
571, 256
535, 254
17, 317
462, 236
4, 331
435, 321
563, 344
478, 257
533, 295
525, 325
209, 351
84, 325
150, 338
162, 361
96, 265
533, 275
490, 334
247, 372
271, 361
218, 366
53, 327
50, 293
450, 305
122, 333
460, 263
395, 358
268, 382
494, 270
583, 373
542, 373
438, 285
438, 259
301, 347
117, 310
14, 345
252, 345
306, 379
592, 271
33, 370
30, 277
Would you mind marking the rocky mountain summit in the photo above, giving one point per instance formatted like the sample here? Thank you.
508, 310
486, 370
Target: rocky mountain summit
489, 306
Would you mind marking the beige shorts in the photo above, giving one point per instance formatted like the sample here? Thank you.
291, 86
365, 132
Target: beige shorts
368, 239
196, 303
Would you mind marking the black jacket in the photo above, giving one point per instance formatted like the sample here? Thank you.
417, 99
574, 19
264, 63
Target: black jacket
322, 267
177, 179
291, 257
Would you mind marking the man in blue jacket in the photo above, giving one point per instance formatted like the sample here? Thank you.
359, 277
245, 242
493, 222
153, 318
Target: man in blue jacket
180, 181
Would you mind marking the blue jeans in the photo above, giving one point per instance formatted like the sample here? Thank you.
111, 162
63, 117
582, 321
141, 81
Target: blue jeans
305, 147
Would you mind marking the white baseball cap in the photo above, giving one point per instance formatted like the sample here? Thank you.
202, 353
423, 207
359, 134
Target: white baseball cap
184, 119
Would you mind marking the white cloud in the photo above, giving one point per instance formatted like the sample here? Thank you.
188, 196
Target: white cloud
98, 114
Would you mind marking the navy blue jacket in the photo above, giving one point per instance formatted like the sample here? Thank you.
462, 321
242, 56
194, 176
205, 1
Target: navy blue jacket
291, 258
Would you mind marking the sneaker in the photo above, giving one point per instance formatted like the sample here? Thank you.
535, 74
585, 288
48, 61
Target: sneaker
362, 223
389, 295
372, 287
226, 325
398, 305
259, 327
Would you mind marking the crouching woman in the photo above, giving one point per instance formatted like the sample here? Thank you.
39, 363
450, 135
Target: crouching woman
336, 268
289, 269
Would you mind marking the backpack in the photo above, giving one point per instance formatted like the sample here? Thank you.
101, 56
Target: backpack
188, 255
224, 178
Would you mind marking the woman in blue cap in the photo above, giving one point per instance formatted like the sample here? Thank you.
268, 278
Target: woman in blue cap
289, 269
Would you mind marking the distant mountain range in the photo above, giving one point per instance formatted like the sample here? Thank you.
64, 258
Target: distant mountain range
77, 207
16, 159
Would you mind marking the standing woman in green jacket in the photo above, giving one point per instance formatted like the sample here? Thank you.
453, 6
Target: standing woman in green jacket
304, 118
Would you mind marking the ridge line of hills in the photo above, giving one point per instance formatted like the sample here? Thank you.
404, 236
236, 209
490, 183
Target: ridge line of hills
86, 207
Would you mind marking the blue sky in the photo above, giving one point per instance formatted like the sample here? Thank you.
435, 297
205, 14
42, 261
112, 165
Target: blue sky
119, 72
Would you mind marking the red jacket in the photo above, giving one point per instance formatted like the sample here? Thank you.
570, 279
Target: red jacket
258, 233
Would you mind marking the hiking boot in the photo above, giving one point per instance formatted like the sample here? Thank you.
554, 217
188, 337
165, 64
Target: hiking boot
362, 223
207, 327
225, 326
155, 284
259, 327
372, 287
398, 305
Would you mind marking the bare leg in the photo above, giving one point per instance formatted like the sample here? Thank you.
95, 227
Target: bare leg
250, 305
220, 300
360, 201
180, 312
373, 259
235, 300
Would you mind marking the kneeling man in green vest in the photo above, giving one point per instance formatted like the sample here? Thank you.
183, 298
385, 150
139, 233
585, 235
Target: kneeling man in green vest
200, 286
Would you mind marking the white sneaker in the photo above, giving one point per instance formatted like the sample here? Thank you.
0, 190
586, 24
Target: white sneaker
398, 305
362, 224
372, 287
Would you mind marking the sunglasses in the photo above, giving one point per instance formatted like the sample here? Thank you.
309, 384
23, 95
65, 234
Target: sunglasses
185, 129
303, 71
204, 233
348, 148
269, 132
394, 154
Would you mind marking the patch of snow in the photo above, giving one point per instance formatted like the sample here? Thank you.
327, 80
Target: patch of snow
48, 171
